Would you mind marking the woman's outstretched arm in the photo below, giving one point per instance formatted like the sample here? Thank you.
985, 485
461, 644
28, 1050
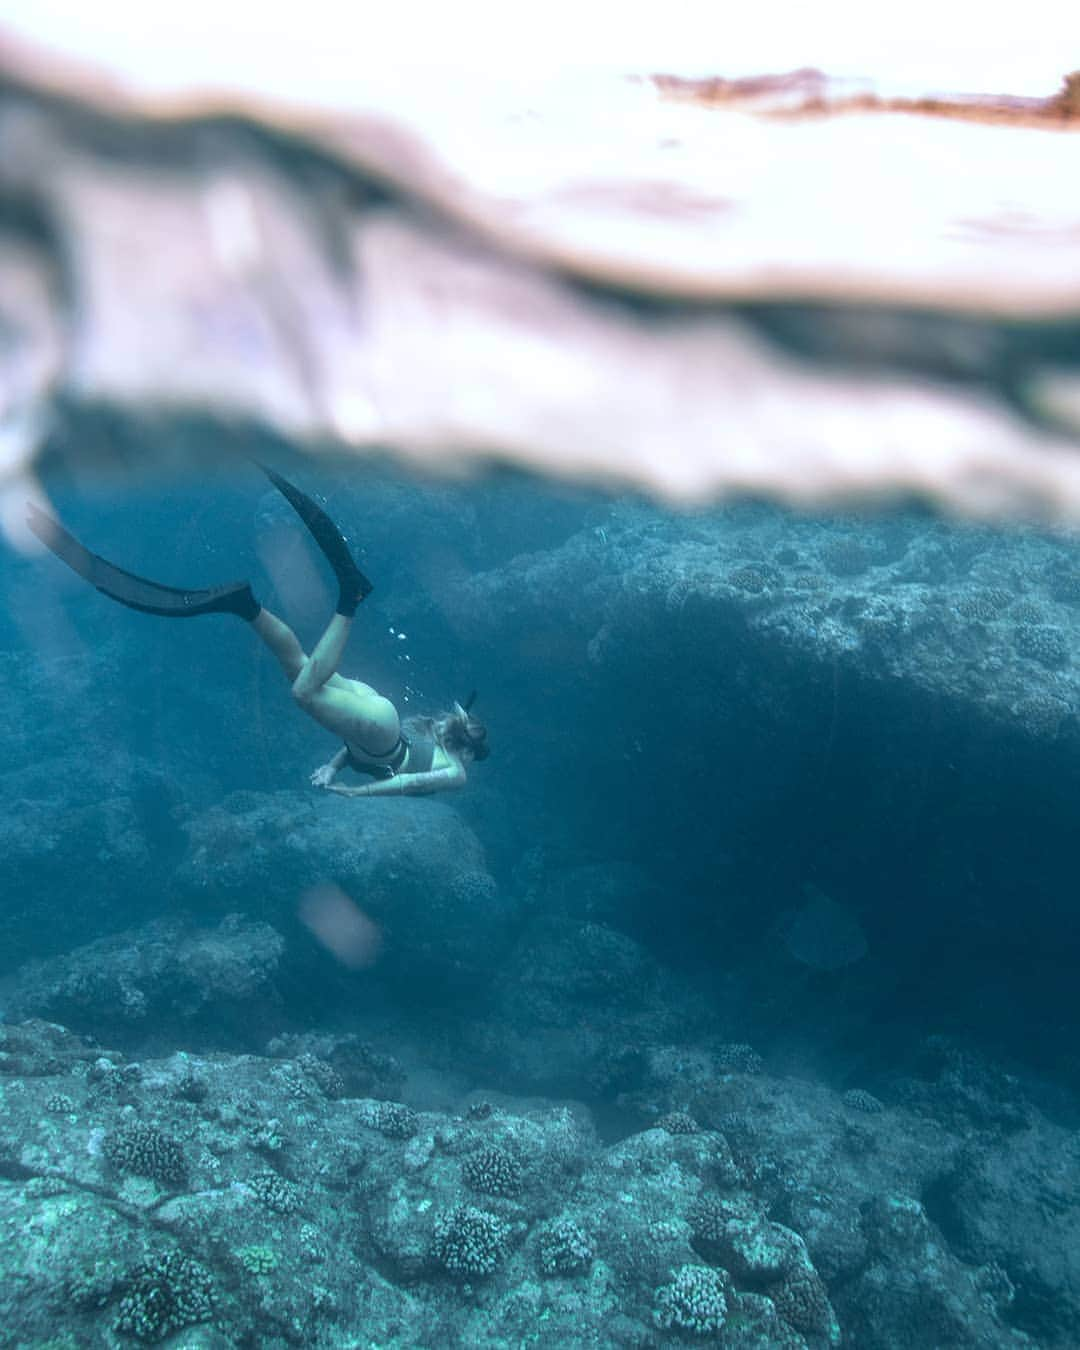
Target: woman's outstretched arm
406, 784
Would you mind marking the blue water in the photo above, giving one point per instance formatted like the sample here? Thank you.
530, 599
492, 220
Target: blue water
777, 838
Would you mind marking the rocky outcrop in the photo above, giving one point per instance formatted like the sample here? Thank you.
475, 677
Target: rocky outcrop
413, 869
255, 1196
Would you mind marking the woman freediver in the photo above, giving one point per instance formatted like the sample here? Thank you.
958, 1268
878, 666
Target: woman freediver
432, 758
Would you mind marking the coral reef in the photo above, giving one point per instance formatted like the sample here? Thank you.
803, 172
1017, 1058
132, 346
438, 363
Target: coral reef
144, 1150
163, 1296
861, 1100
565, 1248
696, 1300
393, 1119
492, 1171
469, 1241
765, 1226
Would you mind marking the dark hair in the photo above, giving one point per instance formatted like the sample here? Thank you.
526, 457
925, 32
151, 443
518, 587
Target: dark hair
458, 731
461, 731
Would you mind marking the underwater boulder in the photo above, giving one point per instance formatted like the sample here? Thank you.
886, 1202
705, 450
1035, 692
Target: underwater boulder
39, 845
409, 873
166, 975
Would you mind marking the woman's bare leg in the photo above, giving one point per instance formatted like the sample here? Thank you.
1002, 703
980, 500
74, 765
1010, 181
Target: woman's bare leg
307, 674
348, 708
282, 641
322, 664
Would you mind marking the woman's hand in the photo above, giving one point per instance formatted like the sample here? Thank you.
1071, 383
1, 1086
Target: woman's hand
324, 776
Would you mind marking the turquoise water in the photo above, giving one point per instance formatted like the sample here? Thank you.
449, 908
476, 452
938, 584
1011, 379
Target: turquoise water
732, 1001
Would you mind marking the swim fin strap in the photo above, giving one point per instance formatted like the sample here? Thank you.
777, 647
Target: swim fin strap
352, 583
149, 597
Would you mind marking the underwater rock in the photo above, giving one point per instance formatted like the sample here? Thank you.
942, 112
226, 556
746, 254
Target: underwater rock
913, 1278
107, 843
364, 1071
936, 615
575, 1007
32, 1048
1015, 1203
413, 869
563, 971
165, 976
84, 803
294, 1208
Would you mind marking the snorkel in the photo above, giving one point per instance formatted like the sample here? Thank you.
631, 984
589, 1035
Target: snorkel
473, 731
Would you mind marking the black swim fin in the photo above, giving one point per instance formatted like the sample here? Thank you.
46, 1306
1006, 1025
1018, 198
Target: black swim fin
352, 583
149, 597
